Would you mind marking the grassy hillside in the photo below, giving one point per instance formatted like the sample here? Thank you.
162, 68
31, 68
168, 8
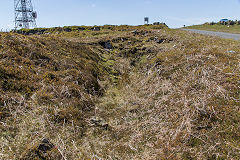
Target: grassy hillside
141, 92
217, 28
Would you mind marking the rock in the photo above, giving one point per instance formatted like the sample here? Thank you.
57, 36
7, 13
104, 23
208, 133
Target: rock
96, 29
160, 40
157, 40
98, 122
45, 146
156, 23
81, 28
32, 31
133, 50
67, 29
203, 127
106, 45
42, 150
135, 32
143, 33
119, 39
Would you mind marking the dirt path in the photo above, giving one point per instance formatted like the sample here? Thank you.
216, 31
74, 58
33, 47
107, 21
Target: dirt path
218, 34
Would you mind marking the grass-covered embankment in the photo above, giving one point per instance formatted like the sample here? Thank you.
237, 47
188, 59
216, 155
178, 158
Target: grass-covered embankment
217, 28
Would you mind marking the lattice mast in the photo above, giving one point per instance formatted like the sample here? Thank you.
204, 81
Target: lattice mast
25, 16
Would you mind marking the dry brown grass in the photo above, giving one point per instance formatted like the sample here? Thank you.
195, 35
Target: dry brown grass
163, 94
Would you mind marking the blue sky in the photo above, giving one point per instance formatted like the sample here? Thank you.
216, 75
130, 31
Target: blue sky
174, 13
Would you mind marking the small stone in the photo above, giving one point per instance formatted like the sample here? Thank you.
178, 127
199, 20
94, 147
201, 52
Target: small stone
45, 146
98, 122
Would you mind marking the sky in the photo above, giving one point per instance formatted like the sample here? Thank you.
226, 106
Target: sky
175, 13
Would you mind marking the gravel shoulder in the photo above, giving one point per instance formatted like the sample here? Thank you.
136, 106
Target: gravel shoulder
218, 34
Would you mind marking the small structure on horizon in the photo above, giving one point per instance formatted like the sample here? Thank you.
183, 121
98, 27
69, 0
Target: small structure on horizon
224, 21
146, 20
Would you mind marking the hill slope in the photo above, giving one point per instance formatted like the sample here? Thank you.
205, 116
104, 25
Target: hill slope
217, 28
128, 93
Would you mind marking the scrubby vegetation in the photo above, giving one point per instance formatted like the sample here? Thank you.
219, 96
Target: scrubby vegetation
229, 27
72, 29
126, 92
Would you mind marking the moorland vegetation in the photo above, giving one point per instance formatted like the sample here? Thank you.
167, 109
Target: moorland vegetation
124, 92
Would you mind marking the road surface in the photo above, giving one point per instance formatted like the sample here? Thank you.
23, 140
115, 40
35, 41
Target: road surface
218, 34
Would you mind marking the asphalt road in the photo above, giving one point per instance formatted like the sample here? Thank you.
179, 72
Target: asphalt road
218, 34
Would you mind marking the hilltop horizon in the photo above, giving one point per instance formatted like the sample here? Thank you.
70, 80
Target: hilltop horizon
174, 13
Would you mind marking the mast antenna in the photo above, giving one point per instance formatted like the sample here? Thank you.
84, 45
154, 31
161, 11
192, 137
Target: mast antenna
25, 16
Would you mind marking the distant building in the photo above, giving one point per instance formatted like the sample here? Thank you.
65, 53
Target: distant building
222, 21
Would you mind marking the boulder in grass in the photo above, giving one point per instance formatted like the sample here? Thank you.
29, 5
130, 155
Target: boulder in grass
106, 44
156, 23
42, 150
81, 28
67, 29
96, 29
